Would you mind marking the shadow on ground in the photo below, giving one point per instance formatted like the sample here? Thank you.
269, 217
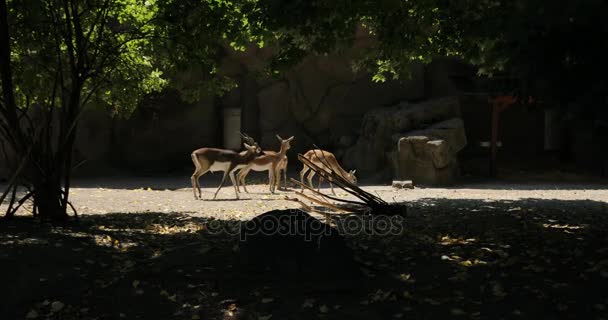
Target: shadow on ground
524, 259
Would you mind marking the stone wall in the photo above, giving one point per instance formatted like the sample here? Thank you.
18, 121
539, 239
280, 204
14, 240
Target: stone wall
157, 138
321, 101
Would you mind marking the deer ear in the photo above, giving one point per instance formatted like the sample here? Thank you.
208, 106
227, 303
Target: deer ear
247, 146
353, 171
290, 138
279, 137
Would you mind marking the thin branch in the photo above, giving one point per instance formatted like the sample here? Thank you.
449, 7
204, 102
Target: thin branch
19, 204
12, 202
16, 174
324, 195
323, 203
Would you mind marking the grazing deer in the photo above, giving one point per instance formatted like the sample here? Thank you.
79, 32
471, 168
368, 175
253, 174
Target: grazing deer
211, 159
270, 161
326, 161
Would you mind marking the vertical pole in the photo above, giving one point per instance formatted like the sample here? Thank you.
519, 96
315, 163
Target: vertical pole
494, 138
499, 104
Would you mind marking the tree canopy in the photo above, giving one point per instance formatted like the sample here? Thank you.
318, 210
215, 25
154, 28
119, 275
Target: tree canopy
60, 56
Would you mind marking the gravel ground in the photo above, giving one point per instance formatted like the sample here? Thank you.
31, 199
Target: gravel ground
171, 194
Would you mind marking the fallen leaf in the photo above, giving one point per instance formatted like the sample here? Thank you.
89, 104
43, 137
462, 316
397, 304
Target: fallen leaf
466, 263
457, 312
56, 306
31, 315
405, 276
323, 309
432, 302
498, 291
308, 303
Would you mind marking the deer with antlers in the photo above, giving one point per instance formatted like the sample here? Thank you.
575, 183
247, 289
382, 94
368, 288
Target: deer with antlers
273, 162
326, 161
228, 161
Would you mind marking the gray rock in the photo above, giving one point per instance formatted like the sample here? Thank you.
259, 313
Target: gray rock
433, 134
403, 184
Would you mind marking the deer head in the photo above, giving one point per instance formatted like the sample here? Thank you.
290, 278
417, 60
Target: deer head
285, 143
250, 141
351, 176
255, 149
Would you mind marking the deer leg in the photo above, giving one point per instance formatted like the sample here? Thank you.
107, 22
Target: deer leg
285, 178
195, 176
234, 183
269, 178
241, 178
238, 185
284, 169
271, 175
277, 178
311, 174
302, 173
221, 184
194, 179
320, 182
332, 188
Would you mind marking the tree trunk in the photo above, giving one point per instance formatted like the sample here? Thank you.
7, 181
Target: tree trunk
48, 199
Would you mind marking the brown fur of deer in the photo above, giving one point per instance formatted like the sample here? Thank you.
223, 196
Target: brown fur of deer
270, 161
326, 161
212, 159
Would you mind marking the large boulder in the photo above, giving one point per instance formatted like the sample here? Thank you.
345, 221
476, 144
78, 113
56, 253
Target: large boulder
382, 128
429, 156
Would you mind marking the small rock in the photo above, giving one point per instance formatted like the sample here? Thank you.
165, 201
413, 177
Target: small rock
403, 184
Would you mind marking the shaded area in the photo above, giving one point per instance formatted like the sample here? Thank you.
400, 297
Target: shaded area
450, 258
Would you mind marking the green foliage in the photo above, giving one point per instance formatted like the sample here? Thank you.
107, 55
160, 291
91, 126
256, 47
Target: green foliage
551, 45
116, 51
193, 35
147, 45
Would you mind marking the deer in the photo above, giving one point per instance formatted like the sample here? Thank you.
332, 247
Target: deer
273, 162
228, 161
281, 168
326, 161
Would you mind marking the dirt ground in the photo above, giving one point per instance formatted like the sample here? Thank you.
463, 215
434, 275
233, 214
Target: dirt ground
143, 249
171, 194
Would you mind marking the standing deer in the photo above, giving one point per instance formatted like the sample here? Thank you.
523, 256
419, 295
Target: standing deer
270, 161
212, 159
326, 161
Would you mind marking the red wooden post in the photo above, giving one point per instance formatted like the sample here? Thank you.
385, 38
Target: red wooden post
499, 104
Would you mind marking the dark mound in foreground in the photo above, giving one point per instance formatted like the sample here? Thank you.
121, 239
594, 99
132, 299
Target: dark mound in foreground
292, 243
